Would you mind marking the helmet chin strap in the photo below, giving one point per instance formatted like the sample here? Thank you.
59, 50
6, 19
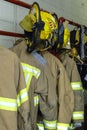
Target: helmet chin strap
43, 50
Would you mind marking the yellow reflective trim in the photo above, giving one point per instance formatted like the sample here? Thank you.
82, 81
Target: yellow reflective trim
62, 126
8, 104
71, 127
28, 68
28, 82
26, 75
76, 85
40, 126
28, 78
24, 100
18, 101
8, 100
50, 124
78, 115
36, 100
22, 97
29, 72
8, 108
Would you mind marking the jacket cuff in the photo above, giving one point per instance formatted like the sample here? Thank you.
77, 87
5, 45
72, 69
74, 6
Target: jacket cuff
50, 125
62, 126
78, 116
40, 126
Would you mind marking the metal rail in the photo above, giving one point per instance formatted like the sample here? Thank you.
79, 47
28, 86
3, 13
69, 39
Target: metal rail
20, 3
12, 34
70, 22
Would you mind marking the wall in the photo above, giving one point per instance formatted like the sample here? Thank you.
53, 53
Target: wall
74, 10
11, 14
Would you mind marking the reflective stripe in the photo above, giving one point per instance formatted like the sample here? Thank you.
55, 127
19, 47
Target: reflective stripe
22, 97
8, 104
36, 100
76, 85
18, 101
28, 78
78, 115
40, 126
50, 124
71, 127
62, 126
29, 72
33, 70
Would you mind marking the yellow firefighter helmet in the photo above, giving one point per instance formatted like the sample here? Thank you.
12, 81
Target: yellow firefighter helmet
63, 35
66, 37
50, 25
42, 24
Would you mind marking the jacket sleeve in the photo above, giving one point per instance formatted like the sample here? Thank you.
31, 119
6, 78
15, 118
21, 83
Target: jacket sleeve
65, 99
48, 107
22, 95
78, 114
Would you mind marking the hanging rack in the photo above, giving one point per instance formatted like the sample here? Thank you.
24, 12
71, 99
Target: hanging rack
12, 34
28, 6
20, 3
70, 22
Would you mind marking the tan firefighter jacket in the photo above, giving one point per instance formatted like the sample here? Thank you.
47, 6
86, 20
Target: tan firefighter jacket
65, 96
13, 93
73, 74
41, 81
